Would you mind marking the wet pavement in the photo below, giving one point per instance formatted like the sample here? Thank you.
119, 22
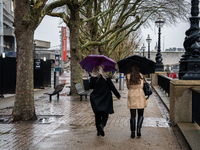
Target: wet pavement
68, 123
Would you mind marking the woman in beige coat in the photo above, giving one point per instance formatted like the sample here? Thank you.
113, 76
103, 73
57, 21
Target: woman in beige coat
136, 99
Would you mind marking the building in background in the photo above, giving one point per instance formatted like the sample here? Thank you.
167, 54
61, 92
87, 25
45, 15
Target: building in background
174, 49
8, 29
43, 50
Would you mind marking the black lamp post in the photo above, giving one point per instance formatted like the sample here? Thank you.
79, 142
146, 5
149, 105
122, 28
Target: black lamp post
159, 65
148, 41
189, 68
143, 49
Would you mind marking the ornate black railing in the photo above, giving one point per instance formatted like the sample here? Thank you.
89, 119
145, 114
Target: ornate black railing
164, 83
196, 106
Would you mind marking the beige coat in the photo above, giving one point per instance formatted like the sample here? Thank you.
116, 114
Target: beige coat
136, 97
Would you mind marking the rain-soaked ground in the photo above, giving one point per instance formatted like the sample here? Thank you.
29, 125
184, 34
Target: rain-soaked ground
69, 123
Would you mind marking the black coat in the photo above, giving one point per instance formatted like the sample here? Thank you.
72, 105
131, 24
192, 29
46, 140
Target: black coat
101, 96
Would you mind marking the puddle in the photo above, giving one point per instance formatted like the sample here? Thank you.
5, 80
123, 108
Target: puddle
5, 119
59, 132
47, 119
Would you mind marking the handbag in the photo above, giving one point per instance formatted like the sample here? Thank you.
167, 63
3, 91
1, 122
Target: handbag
146, 88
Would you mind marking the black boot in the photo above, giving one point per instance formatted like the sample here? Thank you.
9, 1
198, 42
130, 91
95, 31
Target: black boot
98, 133
132, 123
101, 131
139, 125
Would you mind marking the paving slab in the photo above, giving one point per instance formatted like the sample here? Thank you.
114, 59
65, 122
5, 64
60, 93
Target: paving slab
73, 126
9, 99
84, 138
191, 132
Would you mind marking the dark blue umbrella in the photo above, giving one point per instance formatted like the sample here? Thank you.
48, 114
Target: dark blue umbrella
145, 65
92, 61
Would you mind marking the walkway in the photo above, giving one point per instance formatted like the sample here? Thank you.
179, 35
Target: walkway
68, 123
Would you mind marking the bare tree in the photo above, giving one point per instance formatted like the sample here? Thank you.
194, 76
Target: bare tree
127, 47
72, 19
107, 19
27, 16
101, 23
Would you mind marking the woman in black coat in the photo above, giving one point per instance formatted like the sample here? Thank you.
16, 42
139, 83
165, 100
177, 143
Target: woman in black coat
101, 97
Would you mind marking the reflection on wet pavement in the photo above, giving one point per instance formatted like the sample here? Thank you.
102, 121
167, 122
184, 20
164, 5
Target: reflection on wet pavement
69, 110
47, 119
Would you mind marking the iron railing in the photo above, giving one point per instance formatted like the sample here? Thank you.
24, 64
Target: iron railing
196, 106
164, 83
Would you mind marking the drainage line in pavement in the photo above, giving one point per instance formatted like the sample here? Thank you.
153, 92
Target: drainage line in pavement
7, 131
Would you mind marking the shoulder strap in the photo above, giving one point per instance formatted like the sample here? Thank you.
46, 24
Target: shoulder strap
147, 83
98, 79
144, 79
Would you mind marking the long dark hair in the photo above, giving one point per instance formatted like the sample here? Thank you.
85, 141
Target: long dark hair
135, 76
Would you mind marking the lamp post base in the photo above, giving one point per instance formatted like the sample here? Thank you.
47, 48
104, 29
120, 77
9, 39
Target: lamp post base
191, 76
190, 69
159, 67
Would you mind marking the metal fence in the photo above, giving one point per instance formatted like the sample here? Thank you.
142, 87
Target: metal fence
196, 106
42, 75
164, 83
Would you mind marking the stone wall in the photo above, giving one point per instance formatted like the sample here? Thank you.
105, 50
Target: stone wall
181, 100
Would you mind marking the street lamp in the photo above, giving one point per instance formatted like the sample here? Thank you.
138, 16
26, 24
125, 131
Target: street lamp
148, 41
140, 51
159, 65
189, 68
143, 48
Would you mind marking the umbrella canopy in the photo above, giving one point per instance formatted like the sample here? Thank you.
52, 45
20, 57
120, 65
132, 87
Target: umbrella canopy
145, 65
92, 61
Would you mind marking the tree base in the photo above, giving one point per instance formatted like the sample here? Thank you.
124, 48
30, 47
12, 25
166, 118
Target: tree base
23, 118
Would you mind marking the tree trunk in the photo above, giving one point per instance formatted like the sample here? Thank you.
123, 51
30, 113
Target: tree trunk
76, 70
24, 107
93, 26
91, 10
27, 16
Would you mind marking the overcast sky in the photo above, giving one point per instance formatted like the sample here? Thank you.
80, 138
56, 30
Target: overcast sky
48, 30
171, 37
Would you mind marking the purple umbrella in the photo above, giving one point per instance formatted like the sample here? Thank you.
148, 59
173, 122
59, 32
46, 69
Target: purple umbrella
92, 61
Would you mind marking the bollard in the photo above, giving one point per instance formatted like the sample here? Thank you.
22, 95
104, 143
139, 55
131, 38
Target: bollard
56, 78
121, 81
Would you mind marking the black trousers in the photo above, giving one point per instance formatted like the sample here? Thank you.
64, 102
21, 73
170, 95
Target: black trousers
133, 113
101, 118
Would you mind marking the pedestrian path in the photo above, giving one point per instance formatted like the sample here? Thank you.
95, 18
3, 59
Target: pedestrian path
190, 131
68, 123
